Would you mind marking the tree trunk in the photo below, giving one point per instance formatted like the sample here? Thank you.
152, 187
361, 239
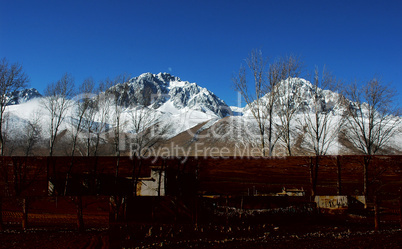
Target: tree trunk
312, 177
160, 178
80, 217
376, 214
365, 180
66, 183
1, 213
95, 177
117, 166
400, 208
289, 149
270, 133
316, 173
338, 164
1, 139
111, 211
69, 170
47, 174
137, 176
17, 177
133, 177
262, 144
88, 146
24, 213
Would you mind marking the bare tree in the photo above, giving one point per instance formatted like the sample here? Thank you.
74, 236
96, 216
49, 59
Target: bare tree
97, 117
117, 93
371, 119
12, 78
31, 134
253, 96
319, 123
147, 131
24, 174
82, 104
56, 102
89, 123
289, 97
9, 143
261, 95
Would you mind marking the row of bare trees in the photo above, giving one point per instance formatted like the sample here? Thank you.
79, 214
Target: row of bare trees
365, 115
80, 119
85, 117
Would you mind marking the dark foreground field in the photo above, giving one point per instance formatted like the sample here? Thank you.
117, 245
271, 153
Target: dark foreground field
231, 201
296, 235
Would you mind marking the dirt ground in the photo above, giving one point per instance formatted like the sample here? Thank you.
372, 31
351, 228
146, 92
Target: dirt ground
208, 236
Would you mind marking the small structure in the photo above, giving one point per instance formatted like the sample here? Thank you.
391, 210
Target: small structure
154, 185
292, 192
339, 201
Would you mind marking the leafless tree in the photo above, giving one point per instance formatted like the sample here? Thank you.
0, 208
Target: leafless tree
319, 123
20, 140
82, 104
97, 117
24, 174
147, 132
9, 143
253, 95
116, 93
371, 119
261, 95
12, 78
31, 134
289, 97
56, 102
120, 88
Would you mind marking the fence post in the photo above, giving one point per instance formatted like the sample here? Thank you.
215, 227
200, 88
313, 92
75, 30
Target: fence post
400, 206
80, 218
1, 213
338, 163
24, 213
376, 214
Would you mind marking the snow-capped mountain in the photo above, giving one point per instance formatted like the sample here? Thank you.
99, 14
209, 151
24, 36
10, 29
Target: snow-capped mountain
19, 97
301, 92
164, 98
196, 116
168, 93
242, 129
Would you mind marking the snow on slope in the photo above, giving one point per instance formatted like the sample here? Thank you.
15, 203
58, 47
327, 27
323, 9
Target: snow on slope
185, 105
156, 90
245, 130
23, 96
176, 102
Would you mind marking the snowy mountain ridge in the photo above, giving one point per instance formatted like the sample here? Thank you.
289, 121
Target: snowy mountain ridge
301, 92
22, 96
168, 93
185, 106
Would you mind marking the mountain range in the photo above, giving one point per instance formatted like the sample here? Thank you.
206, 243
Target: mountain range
199, 119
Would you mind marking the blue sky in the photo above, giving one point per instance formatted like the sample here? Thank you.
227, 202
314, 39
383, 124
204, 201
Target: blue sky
200, 41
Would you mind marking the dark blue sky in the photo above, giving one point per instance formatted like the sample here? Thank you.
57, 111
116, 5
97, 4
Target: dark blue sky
199, 41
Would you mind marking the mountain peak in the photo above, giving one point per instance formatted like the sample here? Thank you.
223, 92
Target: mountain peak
22, 96
164, 87
161, 77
